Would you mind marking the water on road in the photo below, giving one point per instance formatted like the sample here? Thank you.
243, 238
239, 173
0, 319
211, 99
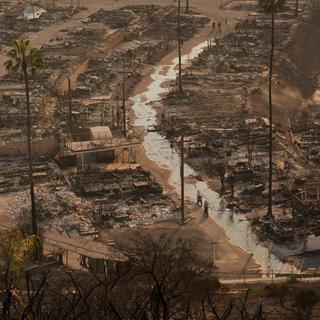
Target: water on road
158, 149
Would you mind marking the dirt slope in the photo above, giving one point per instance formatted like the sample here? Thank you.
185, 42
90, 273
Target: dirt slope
297, 65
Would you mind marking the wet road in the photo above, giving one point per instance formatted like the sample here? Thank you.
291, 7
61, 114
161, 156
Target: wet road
158, 150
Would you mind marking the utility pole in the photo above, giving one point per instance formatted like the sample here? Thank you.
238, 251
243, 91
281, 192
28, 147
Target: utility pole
124, 110
227, 25
117, 113
113, 117
244, 269
179, 45
140, 67
296, 9
124, 101
182, 178
70, 104
187, 6
269, 213
293, 220
214, 243
304, 233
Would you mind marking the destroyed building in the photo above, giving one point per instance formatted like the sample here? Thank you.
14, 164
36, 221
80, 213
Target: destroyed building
85, 168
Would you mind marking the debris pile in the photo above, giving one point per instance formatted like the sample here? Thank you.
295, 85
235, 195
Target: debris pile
123, 196
114, 19
15, 177
62, 210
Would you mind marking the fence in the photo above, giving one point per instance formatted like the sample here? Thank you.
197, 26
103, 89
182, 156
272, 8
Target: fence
40, 147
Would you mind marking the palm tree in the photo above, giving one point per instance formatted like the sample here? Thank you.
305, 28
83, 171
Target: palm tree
271, 7
23, 59
15, 250
179, 46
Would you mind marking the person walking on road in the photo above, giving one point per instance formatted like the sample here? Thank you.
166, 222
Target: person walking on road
213, 27
199, 198
206, 208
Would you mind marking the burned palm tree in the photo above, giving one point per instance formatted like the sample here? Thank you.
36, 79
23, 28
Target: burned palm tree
271, 7
25, 60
